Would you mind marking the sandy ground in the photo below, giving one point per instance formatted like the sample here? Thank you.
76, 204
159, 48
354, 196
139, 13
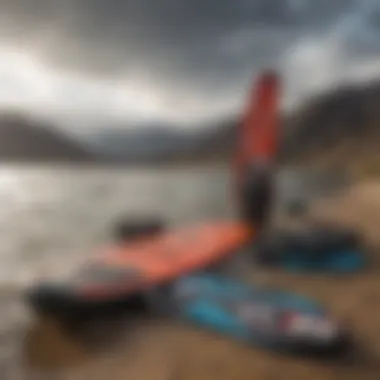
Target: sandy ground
149, 349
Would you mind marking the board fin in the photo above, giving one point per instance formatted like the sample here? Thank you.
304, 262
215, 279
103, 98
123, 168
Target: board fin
257, 148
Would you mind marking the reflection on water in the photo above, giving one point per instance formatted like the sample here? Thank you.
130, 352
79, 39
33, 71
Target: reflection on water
51, 218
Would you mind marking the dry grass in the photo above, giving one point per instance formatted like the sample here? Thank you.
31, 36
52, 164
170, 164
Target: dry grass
160, 350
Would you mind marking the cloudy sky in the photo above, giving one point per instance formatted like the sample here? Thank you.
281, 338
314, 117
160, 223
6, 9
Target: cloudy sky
92, 63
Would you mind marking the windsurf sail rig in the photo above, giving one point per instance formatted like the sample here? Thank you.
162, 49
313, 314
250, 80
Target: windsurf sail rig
257, 148
258, 132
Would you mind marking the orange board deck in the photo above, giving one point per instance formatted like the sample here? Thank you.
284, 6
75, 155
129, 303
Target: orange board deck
148, 262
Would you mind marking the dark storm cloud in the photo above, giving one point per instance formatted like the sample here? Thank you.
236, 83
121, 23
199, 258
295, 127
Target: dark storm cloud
203, 47
178, 39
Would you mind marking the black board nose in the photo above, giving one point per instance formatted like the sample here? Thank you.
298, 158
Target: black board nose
48, 298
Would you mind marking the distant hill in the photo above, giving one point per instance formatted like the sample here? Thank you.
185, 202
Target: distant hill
338, 129
24, 139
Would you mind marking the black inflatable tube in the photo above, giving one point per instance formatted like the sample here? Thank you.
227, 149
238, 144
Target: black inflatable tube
61, 303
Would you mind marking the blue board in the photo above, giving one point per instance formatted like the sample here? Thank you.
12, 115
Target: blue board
256, 315
340, 261
312, 248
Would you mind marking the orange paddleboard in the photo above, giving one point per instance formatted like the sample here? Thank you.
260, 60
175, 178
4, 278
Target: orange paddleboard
127, 270
167, 256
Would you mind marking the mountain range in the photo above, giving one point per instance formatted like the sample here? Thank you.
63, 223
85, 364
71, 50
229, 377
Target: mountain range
318, 128
155, 143
24, 138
